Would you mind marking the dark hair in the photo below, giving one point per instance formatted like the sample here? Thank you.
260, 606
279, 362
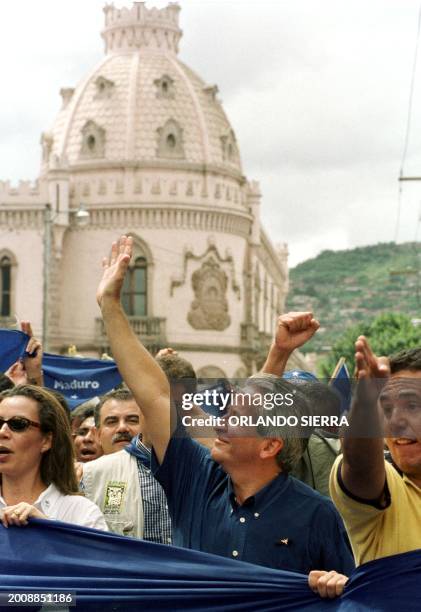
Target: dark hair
5, 383
57, 463
178, 370
63, 402
408, 359
122, 395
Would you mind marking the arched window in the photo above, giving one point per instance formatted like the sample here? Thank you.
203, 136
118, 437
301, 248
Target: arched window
135, 289
5, 285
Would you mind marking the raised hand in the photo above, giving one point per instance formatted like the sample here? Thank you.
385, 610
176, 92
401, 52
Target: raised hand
115, 269
295, 329
33, 358
17, 373
367, 363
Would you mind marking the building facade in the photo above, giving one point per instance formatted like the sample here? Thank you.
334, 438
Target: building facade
143, 145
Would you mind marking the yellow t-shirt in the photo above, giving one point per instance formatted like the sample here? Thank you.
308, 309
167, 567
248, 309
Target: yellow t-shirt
376, 532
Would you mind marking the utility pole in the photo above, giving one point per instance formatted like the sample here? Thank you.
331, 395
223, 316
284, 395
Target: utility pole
46, 274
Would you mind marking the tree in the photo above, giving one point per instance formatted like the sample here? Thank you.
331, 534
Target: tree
388, 333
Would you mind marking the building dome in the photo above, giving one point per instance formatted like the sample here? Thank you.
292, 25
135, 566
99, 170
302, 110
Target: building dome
143, 147
141, 105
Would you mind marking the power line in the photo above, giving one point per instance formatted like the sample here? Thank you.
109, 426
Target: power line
408, 124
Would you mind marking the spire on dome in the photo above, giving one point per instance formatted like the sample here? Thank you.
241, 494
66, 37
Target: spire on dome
141, 28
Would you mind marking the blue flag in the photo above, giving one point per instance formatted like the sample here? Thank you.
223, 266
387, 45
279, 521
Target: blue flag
12, 347
341, 382
111, 572
79, 379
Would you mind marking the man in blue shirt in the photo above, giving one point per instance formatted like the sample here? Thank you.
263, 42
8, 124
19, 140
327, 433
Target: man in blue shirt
284, 524
237, 501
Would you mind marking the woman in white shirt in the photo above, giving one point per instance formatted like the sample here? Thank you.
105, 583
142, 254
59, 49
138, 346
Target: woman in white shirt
37, 473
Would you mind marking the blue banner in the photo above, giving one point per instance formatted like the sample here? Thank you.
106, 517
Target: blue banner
79, 379
109, 572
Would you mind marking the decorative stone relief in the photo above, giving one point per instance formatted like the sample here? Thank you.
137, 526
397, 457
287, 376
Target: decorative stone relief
165, 87
156, 187
211, 252
209, 309
102, 187
119, 186
189, 188
170, 140
93, 140
104, 88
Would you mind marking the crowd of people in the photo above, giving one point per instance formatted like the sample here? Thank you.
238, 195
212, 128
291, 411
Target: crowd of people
318, 503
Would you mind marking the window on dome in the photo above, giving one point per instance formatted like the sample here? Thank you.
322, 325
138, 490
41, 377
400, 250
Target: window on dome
135, 289
170, 140
104, 88
165, 87
93, 140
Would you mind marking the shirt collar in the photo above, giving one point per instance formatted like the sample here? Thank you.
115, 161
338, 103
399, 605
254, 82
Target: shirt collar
264, 496
45, 501
410, 482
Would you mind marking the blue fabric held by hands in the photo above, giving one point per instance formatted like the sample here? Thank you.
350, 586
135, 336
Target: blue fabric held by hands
109, 572
78, 379
12, 347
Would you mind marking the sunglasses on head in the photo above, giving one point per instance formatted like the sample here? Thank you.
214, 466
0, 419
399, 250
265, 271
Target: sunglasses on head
18, 423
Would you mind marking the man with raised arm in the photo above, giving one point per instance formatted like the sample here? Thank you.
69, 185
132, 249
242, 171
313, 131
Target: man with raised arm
238, 500
380, 502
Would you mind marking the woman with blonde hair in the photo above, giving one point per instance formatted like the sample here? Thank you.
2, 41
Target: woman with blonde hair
37, 475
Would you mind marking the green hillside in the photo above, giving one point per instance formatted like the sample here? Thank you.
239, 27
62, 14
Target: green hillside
346, 287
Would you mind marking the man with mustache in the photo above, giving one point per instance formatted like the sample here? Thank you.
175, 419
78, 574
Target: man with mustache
121, 482
118, 419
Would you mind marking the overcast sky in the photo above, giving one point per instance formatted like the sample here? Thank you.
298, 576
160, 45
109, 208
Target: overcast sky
316, 90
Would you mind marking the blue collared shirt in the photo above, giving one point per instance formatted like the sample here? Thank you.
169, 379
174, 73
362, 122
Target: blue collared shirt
286, 525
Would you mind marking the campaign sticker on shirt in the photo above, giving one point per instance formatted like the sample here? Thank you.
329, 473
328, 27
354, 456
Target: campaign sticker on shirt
114, 496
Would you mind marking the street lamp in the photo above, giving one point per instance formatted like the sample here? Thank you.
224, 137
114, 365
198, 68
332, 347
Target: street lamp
82, 217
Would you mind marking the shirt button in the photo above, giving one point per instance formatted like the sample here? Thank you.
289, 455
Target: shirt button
256, 515
242, 519
235, 553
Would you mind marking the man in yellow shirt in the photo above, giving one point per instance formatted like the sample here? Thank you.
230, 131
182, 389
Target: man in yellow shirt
380, 503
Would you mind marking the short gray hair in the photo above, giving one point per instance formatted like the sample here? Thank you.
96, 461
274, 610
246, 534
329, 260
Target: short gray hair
294, 439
